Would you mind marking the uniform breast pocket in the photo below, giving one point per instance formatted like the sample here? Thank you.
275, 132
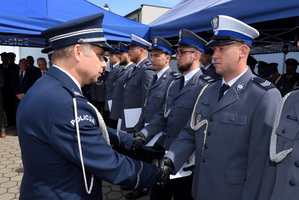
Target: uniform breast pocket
288, 129
232, 126
131, 87
159, 97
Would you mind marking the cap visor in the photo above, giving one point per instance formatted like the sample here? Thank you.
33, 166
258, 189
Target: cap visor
220, 42
48, 49
103, 45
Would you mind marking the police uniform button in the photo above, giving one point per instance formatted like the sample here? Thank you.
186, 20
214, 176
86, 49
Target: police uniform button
297, 163
211, 119
209, 133
204, 160
283, 131
171, 115
232, 120
292, 183
145, 189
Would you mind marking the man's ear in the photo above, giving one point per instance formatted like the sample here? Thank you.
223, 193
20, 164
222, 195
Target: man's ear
78, 52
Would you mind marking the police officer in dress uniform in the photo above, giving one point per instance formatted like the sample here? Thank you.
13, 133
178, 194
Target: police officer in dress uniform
230, 135
120, 80
161, 53
180, 99
281, 172
115, 67
137, 83
208, 67
67, 154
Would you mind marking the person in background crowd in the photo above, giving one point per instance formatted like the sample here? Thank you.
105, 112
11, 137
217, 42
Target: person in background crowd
271, 74
208, 67
251, 62
260, 66
281, 171
8, 97
2, 115
11, 60
70, 144
223, 129
20, 83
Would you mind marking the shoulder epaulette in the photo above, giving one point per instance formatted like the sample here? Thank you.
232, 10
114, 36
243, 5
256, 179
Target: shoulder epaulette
208, 78
73, 92
148, 63
267, 85
175, 74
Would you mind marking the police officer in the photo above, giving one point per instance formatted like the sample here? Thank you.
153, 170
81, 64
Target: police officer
231, 124
115, 67
208, 67
161, 53
176, 111
120, 80
67, 153
281, 172
137, 83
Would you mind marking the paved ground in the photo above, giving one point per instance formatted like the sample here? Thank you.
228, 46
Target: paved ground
11, 172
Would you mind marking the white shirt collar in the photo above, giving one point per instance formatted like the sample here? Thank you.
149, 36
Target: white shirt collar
140, 62
188, 76
160, 73
231, 82
75, 81
115, 65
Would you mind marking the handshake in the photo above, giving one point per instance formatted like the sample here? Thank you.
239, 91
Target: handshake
165, 168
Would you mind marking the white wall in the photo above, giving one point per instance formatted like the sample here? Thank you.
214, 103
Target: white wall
150, 13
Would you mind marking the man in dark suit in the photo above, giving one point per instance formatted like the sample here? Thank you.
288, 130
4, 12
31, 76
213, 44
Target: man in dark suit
208, 67
8, 97
21, 81
137, 83
31, 68
64, 142
231, 122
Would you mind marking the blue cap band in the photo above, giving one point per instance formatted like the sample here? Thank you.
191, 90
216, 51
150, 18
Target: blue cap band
163, 48
246, 39
124, 49
189, 41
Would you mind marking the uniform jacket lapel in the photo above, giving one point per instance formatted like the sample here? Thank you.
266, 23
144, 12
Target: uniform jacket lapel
232, 94
160, 80
189, 85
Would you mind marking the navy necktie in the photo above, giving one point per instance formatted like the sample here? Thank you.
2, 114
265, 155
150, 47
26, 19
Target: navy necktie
182, 82
223, 88
154, 79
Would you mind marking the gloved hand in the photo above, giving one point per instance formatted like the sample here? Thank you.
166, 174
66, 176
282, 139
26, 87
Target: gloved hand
165, 168
190, 168
138, 140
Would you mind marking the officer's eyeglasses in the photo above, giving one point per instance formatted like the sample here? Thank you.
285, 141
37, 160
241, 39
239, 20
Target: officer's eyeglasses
180, 53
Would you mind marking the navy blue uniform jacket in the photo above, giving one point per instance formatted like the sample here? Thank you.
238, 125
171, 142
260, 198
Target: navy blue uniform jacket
49, 147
